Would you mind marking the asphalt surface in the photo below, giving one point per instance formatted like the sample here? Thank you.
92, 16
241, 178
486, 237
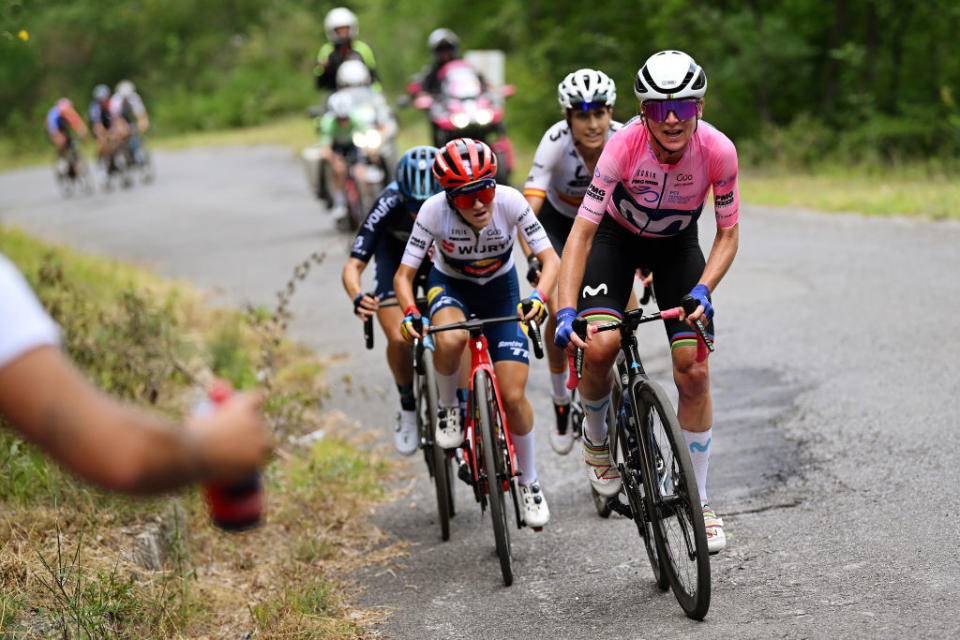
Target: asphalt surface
835, 393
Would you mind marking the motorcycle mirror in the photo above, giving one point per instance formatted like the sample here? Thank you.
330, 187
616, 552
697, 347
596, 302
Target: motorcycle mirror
508, 90
423, 102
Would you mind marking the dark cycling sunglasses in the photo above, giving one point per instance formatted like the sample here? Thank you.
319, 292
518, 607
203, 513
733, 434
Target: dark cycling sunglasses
659, 110
482, 190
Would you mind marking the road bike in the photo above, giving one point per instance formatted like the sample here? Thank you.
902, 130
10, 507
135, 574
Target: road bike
649, 450
439, 463
71, 171
488, 460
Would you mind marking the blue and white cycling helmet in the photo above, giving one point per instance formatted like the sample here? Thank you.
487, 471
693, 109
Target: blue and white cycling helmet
585, 89
414, 176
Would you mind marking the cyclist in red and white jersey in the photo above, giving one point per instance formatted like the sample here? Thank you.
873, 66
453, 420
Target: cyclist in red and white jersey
472, 226
641, 210
558, 180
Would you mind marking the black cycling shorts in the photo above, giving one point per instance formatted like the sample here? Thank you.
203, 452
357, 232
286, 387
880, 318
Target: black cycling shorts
677, 263
555, 224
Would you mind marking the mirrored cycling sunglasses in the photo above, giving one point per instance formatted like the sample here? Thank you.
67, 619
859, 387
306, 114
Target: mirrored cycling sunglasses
658, 110
482, 190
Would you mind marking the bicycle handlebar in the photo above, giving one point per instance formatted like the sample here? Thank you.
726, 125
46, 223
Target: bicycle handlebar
633, 318
368, 321
534, 329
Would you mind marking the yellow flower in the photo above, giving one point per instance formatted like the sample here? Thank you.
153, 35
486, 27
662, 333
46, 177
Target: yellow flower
23, 35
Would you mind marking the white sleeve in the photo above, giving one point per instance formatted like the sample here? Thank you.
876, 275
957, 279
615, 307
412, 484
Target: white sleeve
24, 324
543, 160
527, 223
424, 230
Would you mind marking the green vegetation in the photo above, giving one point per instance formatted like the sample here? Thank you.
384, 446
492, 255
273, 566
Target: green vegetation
71, 557
792, 83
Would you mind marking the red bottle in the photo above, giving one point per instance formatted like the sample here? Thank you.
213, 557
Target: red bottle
237, 506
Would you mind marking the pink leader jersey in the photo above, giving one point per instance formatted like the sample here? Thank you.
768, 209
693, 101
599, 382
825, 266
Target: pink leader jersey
659, 200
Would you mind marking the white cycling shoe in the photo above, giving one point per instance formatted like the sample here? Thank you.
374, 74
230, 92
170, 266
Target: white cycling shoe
406, 440
449, 428
716, 538
603, 474
536, 513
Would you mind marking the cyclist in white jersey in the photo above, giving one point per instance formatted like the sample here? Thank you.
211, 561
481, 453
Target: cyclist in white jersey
472, 226
558, 180
641, 210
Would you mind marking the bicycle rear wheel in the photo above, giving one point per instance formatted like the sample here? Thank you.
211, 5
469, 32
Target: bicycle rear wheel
438, 461
491, 434
677, 519
629, 457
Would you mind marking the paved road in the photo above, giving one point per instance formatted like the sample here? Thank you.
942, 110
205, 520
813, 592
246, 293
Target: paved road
835, 387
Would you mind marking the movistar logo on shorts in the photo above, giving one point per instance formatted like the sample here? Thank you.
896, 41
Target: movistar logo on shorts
590, 291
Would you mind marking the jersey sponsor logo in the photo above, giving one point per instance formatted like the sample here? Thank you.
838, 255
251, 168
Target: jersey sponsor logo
497, 247
725, 181
675, 196
419, 243
357, 243
591, 291
684, 179
596, 193
668, 225
447, 245
647, 194
433, 293
580, 178
644, 181
645, 173
483, 267
530, 229
558, 134
724, 200
457, 231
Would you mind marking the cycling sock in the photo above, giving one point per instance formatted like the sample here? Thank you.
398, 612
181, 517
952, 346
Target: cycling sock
699, 444
595, 419
523, 447
447, 389
407, 402
558, 383
462, 394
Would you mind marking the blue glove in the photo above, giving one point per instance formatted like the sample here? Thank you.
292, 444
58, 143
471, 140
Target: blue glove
356, 302
536, 298
565, 318
702, 295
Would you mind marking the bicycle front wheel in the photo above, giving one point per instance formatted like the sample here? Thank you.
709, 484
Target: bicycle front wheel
438, 460
677, 519
488, 412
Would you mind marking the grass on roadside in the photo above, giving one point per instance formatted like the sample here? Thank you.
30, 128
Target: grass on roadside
75, 561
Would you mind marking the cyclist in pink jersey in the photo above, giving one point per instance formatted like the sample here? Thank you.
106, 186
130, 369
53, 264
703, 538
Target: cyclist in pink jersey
641, 210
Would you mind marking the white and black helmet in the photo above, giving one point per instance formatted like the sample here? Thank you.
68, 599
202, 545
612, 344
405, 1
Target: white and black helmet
670, 75
442, 36
586, 86
340, 105
353, 73
340, 17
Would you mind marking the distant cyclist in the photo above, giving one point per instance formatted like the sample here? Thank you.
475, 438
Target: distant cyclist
641, 210
383, 235
562, 167
472, 226
61, 119
98, 115
129, 117
342, 29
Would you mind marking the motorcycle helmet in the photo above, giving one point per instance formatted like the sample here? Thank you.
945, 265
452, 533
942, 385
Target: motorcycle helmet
125, 89
353, 73
669, 75
462, 161
340, 105
101, 92
586, 87
443, 38
340, 17
414, 174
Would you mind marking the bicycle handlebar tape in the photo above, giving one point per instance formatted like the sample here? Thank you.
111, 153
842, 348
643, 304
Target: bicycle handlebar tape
580, 328
237, 506
573, 378
534, 329
704, 342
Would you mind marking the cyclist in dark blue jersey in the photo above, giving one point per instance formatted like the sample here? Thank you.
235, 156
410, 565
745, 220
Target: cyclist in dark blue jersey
383, 235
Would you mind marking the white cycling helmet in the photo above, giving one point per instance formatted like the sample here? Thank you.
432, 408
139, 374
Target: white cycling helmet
353, 73
669, 75
125, 89
586, 86
440, 36
340, 17
340, 105
101, 92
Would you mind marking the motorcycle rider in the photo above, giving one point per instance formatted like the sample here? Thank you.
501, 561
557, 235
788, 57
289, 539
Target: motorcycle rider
342, 29
336, 128
445, 46
383, 235
354, 80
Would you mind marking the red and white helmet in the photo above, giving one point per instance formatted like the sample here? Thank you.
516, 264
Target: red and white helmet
462, 161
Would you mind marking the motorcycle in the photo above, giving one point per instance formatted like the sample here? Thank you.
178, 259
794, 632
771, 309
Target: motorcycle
467, 109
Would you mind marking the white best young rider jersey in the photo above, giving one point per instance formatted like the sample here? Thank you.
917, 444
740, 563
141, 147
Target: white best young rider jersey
465, 253
24, 324
559, 174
